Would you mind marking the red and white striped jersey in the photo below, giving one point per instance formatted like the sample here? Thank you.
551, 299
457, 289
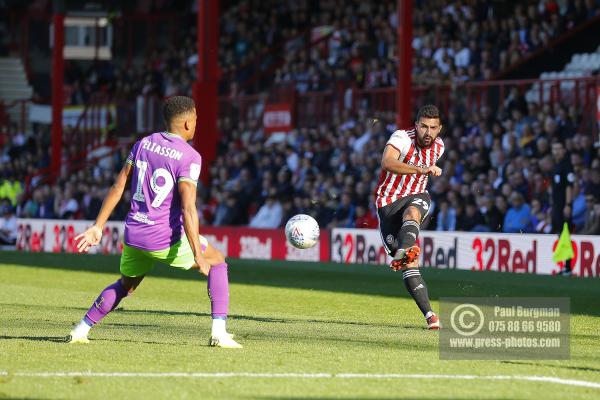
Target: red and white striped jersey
392, 187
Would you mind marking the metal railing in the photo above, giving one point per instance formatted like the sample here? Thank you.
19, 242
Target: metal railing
133, 118
110, 122
312, 108
8, 125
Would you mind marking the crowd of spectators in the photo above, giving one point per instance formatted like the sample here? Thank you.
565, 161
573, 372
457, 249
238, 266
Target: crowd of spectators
351, 41
497, 169
21, 155
248, 29
498, 172
76, 195
453, 41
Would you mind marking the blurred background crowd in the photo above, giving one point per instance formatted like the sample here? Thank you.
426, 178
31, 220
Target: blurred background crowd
453, 41
499, 165
498, 173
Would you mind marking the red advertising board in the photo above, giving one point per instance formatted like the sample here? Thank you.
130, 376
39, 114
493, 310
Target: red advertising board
58, 236
516, 253
263, 244
277, 118
513, 253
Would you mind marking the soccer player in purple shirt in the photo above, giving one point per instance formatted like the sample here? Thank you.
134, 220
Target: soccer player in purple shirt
162, 224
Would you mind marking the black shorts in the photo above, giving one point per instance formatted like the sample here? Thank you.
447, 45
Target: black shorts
390, 218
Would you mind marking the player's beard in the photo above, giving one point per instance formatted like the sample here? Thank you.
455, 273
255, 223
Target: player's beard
422, 143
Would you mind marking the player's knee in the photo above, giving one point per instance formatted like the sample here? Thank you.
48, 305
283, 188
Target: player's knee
219, 257
131, 283
411, 225
412, 213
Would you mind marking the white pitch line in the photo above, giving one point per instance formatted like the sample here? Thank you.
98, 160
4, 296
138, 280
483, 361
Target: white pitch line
300, 375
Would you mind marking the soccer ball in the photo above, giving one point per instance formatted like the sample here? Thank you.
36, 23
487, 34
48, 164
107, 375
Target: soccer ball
302, 231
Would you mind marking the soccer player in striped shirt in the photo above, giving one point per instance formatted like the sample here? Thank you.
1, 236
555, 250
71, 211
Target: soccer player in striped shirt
403, 202
162, 224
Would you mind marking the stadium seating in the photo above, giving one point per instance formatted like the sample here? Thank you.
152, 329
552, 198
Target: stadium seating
330, 170
581, 65
362, 36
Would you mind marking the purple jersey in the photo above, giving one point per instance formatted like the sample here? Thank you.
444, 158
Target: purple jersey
159, 161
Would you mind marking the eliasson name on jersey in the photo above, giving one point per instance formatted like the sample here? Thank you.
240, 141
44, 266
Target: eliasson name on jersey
160, 161
161, 150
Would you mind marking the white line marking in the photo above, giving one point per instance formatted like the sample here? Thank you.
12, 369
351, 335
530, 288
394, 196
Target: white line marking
531, 378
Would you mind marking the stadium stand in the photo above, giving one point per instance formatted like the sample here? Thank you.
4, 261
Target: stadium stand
350, 41
332, 169
581, 65
453, 41
329, 169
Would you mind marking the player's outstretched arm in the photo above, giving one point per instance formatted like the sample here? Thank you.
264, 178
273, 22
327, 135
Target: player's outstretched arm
93, 234
187, 190
390, 162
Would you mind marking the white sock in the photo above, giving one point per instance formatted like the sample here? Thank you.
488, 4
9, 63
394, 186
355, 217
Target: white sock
218, 327
82, 328
429, 314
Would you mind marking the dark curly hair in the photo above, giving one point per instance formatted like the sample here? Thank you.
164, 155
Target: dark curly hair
429, 111
175, 106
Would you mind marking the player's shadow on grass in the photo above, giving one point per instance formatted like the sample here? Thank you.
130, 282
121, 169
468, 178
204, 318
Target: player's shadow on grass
357, 279
120, 340
9, 397
234, 316
56, 339
133, 325
290, 335
261, 319
344, 398
393, 343
561, 366
63, 339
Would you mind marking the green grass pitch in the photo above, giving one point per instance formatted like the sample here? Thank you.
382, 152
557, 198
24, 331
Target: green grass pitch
297, 318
